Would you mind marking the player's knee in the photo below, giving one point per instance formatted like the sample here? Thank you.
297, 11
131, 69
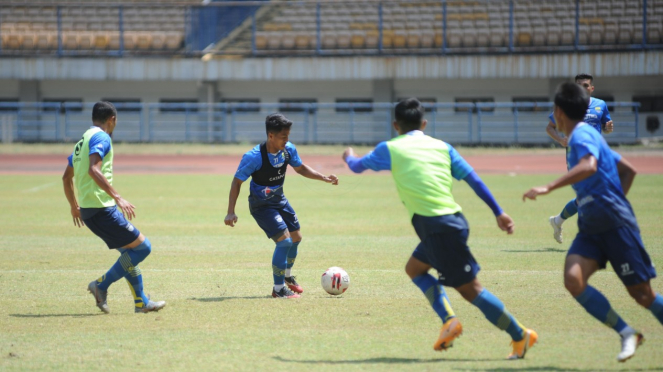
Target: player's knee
574, 285
145, 247
642, 295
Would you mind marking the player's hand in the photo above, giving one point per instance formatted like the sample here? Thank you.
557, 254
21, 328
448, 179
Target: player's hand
126, 208
535, 191
505, 223
231, 219
608, 127
76, 215
564, 141
331, 179
348, 152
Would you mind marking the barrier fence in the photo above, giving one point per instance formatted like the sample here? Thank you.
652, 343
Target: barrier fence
314, 123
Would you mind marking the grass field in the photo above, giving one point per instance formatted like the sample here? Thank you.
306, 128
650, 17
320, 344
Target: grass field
217, 282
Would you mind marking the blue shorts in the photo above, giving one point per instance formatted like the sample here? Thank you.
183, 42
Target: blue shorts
444, 247
110, 225
273, 219
623, 248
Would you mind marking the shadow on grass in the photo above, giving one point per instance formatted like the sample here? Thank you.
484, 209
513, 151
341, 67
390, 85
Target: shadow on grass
386, 360
543, 250
53, 315
219, 299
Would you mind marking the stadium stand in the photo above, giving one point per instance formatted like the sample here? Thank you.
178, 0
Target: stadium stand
290, 27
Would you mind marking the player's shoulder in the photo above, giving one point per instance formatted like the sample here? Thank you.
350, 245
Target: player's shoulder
597, 102
253, 153
290, 146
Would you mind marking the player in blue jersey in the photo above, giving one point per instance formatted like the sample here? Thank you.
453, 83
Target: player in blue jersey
266, 165
90, 169
423, 168
599, 118
608, 230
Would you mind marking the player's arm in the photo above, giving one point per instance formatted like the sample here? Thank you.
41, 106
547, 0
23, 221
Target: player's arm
377, 160
551, 129
504, 221
95, 173
626, 174
585, 168
606, 121
313, 174
235, 187
68, 184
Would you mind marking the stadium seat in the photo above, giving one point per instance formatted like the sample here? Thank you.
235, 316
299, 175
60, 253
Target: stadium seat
399, 40
85, 40
329, 40
372, 39
358, 40
158, 40
539, 36
427, 39
261, 40
274, 40
343, 40
70, 40
469, 38
454, 38
553, 36
413, 39
288, 40
596, 34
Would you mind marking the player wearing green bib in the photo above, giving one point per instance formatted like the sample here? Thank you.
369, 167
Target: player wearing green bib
90, 170
423, 169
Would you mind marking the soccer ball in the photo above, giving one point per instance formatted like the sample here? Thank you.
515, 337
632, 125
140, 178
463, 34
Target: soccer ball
335, 281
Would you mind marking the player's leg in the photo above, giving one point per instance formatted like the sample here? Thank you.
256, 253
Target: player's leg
570, 209
271, 222
496, 313
137, 252
417, 269
584, 259
290, 218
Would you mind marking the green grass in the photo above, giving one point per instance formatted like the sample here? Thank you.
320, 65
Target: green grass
217, 282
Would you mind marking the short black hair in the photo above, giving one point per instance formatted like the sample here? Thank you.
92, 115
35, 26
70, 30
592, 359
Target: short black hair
409, 114
572, 100
102, 111
277, 122
584, 77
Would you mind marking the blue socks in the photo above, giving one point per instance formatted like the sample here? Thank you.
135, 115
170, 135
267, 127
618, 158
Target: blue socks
497, 314
292, 254
656, 307
129, 259
570, 209
280, 260
598, 306
436, 296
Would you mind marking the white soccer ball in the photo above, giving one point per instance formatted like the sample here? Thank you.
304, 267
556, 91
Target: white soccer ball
335, 281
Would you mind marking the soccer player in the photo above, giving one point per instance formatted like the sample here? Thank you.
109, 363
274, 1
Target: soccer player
423, 168
90, 168
266, 164
598, 117
608, 230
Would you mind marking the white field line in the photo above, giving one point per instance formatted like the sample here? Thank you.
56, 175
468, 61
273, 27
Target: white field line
39, 188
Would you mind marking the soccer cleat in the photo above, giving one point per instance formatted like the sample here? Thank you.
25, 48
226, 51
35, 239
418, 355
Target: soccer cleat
629, 344
293, 285
450, 330
151, 306
521, 347
557, 230
284, 293
99, 296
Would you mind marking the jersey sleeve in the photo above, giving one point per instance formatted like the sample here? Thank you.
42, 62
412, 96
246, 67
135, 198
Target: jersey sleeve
552, 118
100, 144
616, 155
70, 160
378, 159
605, 117
584, 145
249, 164
295, 160
459, 167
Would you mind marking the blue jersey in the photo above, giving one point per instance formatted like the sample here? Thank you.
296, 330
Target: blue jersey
602, 205
100, 144
597, 114
252, 161
380, 159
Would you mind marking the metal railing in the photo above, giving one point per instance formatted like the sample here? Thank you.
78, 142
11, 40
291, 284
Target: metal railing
314, 123
206, 26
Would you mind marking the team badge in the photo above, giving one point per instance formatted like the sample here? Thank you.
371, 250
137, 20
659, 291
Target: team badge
130, 227
598, 109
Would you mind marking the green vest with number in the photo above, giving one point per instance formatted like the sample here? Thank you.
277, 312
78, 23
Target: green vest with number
421, 167
90, 195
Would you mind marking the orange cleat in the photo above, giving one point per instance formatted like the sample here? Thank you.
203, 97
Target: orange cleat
521, 347
293, 285
450, 330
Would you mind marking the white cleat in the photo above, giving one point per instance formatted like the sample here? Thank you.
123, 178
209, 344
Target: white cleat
557, 230
629, 344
